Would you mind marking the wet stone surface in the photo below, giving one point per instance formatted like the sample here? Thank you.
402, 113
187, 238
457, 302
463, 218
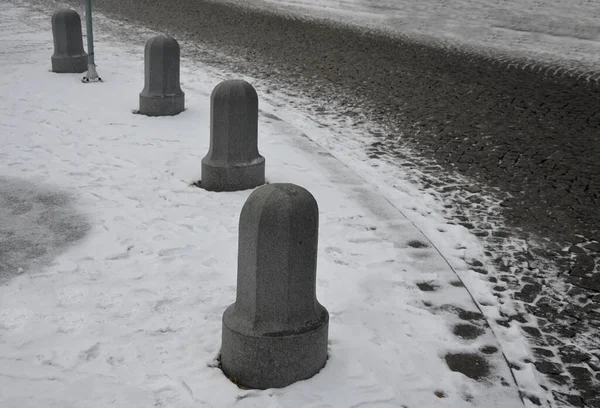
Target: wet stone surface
36, 224
547, 367
427, 286
472, 365
489, 349
467, 331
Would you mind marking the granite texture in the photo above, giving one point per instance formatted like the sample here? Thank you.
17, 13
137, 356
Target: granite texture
69, 56
162, 94
276, 331
233, 161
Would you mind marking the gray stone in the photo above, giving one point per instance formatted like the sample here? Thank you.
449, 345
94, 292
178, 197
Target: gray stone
472, 365
276, 331
162, 94
467, 331
233, 162
69, 56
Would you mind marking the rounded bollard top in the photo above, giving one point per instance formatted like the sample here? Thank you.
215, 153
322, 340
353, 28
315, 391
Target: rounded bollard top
280, 199
162, 41
65, 15
236, 90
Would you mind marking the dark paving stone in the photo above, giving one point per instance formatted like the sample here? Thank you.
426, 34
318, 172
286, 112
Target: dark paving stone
562, 329
583, 265
489, 349
546, 307
569, 399
427, 286
535, 400
592, 307
467, 315
514, 366
519, 318
559, 379
481, 271
593, 247
532, 331
584, 382
547, 367
591, 283
579, 373
553, 341
574, 291
471, 365
572, 355
594, 365
467, 331
529, 292
542, 352
476, 263
503, 322
593, 402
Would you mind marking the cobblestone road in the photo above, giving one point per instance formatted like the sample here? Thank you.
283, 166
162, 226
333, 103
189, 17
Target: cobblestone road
533, 132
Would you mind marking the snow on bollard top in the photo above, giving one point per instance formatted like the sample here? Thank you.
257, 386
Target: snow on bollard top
69, 55
276, 331
233, 162
162, 94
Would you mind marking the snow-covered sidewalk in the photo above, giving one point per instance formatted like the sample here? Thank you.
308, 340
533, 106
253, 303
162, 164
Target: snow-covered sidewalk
130, 316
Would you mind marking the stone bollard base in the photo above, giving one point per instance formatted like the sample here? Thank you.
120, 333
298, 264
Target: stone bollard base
169, 105
272, 361
71, 64
231, 176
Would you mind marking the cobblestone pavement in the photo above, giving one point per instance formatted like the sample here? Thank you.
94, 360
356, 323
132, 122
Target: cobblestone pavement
529, 134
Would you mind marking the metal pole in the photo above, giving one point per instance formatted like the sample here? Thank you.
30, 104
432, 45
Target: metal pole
91, 75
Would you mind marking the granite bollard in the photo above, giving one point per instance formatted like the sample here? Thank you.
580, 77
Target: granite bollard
69, 56
276, 331
162, 94
233, 162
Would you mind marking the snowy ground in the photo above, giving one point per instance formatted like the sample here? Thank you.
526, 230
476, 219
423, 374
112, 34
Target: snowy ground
130, 316
555, 32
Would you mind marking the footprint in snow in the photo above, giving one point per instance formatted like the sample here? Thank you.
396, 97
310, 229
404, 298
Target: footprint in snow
12, 319
336, 255
70, 296
90, 354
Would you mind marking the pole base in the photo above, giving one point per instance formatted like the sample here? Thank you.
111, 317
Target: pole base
92, 75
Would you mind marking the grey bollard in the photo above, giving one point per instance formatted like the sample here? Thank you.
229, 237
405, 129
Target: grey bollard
69, 56
233, 162
162, 94
276, 331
